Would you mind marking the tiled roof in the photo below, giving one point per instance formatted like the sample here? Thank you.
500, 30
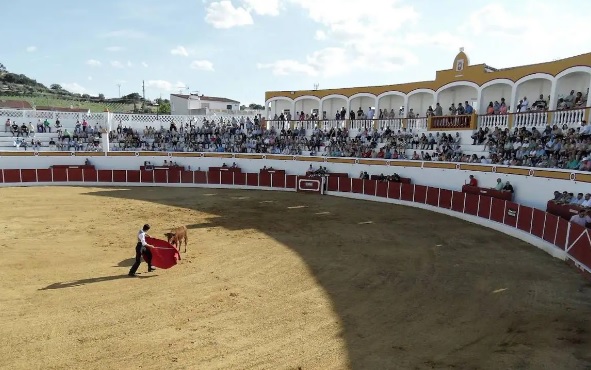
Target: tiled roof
207, 98
62, 109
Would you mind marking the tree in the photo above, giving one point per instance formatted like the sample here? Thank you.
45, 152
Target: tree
2, 68
55, 87
101, 97
254, 106
164, 107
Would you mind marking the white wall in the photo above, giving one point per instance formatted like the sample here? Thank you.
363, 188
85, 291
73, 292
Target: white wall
390, 102
332, 106
532, 90
419, 103
219, 105
530, 191
495, 93
307, 105
456, 95
578, 81
364, 102
179, 106
278, 106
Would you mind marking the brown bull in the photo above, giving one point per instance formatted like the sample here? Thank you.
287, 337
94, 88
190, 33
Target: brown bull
176, 237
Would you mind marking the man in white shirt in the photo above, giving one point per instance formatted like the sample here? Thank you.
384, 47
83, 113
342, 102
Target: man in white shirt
142, 248
581, 219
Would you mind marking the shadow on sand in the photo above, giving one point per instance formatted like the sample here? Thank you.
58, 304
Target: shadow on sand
388, 279
82, 282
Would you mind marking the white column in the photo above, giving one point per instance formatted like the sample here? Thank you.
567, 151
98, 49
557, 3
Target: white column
587, 93
481, 105
553, 89
105, 140
513, 101
293, 106
406, 109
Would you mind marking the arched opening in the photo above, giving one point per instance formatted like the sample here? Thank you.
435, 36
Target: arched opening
495, 92
276, 106
309, 106
391, 104
530, 89
458, 94
418, 102
365, 103
572, 86
332, 105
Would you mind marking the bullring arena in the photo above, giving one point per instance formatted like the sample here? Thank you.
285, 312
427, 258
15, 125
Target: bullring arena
289, 269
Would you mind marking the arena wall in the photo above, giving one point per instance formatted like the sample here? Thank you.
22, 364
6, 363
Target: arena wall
554, 235
533, 187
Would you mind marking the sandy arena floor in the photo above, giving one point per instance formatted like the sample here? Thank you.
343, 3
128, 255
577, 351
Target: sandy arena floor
276, 281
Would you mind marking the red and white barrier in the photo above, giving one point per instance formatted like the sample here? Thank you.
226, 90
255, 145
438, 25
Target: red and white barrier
569, 241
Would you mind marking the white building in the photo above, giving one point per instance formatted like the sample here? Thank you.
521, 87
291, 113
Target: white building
201, 104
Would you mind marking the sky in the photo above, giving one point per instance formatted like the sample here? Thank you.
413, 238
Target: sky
239, 49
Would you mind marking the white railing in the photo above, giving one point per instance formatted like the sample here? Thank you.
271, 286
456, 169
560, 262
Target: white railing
393, 124
329, 124
416, 124
494, 120
361, 124
530, 119
571, 117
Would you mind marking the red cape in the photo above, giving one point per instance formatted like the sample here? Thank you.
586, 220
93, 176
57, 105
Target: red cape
164, 254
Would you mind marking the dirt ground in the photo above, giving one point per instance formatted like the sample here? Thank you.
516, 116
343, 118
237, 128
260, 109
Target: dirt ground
276, 281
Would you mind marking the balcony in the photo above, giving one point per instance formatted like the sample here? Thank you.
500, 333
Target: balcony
570, 118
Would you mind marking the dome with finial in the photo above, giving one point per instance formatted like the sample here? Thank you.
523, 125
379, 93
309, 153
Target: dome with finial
461, 61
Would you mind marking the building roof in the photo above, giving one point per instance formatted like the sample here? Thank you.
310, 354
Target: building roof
61, 109
207, 98
15, 104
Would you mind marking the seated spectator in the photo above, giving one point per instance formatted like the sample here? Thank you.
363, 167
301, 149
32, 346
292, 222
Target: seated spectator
473, 181
578, 200
508, 187
582, 218
499, 186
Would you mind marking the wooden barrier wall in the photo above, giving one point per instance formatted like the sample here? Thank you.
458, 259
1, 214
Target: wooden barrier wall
571, 238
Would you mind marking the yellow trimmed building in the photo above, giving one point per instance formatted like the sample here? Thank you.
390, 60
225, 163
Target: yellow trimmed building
479, 85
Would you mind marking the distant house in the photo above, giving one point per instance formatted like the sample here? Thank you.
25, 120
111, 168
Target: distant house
201, 104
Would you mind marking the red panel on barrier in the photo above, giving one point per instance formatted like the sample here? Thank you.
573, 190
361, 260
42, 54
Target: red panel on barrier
252, 179
102, 175
580, 249
44, 175
59, 174
200, 177
14, 176
278, 180
538, 220
407, 192
394, 189
561, 232
28, 175
133, 176
147, 177
333, 183
1, 176
445, 198
160, 176
382, 189
511, 211
550, 227
524, 218
484, 206
420, 194
575, 232
239, 178
187, 177
344, 184
471, 204
174, 176
74, 174
89, 175
369, 187
432, 196
265, 179
290, 181
214, 177
227, 178
497, 212
457, 201
357, 186
119, 176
